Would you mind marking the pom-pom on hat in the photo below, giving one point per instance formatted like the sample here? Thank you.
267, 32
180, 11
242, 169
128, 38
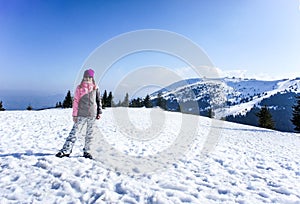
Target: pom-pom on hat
89, 73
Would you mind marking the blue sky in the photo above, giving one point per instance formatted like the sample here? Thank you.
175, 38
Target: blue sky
44, 43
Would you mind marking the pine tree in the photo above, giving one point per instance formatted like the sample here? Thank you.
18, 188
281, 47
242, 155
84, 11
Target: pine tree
109, 102
211, 114
104, 100
265, 118
161, 102
133, 103
1, 107
119, 104
58, 105
136, 103
296, 115
29, 107
125, 102
68, 102
147, 102
178, 109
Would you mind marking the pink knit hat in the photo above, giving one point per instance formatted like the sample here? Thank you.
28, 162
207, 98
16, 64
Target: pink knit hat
89, 73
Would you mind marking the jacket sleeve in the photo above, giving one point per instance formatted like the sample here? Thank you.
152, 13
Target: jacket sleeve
76, 101
98, 102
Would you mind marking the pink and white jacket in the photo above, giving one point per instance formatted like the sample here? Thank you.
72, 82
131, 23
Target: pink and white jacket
87, 102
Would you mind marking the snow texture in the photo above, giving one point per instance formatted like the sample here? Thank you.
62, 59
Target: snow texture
247, 164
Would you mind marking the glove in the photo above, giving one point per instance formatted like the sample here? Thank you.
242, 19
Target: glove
98, 117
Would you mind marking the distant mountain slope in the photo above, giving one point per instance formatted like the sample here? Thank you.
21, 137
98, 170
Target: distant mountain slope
234, 98
280, 106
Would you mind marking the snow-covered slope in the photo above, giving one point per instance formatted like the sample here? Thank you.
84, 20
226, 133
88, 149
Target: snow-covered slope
243, 165
248, 93
227, 96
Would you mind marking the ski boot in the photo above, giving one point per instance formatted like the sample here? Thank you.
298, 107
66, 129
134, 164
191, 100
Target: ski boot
87, 155
61, 154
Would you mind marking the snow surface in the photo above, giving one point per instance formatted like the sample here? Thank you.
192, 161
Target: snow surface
246, 165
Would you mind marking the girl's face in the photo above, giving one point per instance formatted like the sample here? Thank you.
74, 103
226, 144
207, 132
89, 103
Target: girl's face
88, 79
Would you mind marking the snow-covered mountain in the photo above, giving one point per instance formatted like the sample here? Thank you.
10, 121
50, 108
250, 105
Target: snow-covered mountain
232, 97
245, 164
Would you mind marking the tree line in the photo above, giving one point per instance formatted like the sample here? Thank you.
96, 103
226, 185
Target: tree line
265, 119
264, 116
107, 101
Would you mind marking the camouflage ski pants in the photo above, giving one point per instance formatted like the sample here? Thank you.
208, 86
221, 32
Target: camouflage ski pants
78, 126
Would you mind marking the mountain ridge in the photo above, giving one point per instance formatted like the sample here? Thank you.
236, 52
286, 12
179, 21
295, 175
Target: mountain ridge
231, 97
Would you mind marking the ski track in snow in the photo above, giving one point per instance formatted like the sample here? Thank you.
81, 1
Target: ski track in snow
248, 165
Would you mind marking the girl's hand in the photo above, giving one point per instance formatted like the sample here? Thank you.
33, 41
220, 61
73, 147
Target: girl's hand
98, 117
75, 119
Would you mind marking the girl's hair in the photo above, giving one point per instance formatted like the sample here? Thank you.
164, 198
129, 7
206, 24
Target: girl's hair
94, 83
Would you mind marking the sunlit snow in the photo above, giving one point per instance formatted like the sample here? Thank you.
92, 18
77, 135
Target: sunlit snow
245, 165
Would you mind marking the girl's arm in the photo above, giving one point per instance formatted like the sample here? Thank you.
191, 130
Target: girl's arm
99, 105
75, 102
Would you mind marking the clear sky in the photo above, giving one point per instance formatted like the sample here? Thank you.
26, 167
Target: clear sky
44, 43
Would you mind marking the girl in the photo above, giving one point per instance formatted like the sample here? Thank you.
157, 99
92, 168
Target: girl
86, 108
